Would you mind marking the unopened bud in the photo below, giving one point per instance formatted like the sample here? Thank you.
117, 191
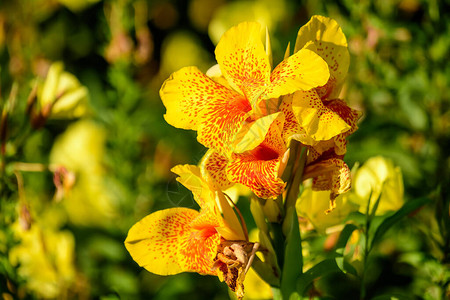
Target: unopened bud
25, 219
64, 181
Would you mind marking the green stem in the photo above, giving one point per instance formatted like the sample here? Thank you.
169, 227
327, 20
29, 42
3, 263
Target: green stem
278, 242
362, 291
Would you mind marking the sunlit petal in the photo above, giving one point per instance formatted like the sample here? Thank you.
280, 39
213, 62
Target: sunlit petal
213, 166
301, 71
221, 121
252, 134
186, 93
191, 177
330, 43
260, 169
339, 142
165, 244
318, 121
243, 60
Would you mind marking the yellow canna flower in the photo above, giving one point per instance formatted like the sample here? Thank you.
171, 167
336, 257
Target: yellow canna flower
378, 178
216, 111
210, 241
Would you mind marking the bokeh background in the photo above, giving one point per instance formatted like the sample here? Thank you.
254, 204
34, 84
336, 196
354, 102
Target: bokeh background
66, 242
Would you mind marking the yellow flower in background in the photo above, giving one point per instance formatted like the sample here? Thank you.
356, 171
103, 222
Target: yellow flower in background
80, 150
44, 257
193, 54
313, 205
235, 12
209, 242
378, 178
61, 95
77, 5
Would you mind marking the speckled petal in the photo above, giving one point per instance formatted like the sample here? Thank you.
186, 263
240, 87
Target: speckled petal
318, 121
330, 43
164, 243
212, 166
339, 142
291, 127
260, 169
330, 174
243, 60
301, 71
186, 93
221, 121
253, 133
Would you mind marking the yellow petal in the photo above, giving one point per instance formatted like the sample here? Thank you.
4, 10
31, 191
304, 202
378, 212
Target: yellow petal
243, 60
222, 119
51, 83
165, 244
260, 168
314, 204
212, 167
269, 48
291, 127
339, 142
301, 71
191, 177
378, 178
216, 74
330, 43
318, 121
186, 93
252, 134
231, 229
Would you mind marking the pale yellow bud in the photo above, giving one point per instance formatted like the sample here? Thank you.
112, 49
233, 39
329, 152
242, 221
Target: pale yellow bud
62, 95
378, 178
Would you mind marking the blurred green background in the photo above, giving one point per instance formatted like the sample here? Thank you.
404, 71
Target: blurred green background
121, 149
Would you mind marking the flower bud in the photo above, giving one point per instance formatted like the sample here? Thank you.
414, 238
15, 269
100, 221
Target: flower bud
62, 96
314, 205
378, 178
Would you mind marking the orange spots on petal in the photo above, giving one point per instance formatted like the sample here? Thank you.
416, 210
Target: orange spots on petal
259, 168
213, 167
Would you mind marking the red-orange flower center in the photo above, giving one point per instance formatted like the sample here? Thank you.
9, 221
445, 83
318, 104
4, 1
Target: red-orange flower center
262, 152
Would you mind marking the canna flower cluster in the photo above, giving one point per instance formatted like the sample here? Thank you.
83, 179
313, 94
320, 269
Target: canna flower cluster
249, 114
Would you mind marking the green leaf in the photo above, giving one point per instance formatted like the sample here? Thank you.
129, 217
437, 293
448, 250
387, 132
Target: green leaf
345, 266
406, 209
323, 268
346, 233
293, 259
392, 297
